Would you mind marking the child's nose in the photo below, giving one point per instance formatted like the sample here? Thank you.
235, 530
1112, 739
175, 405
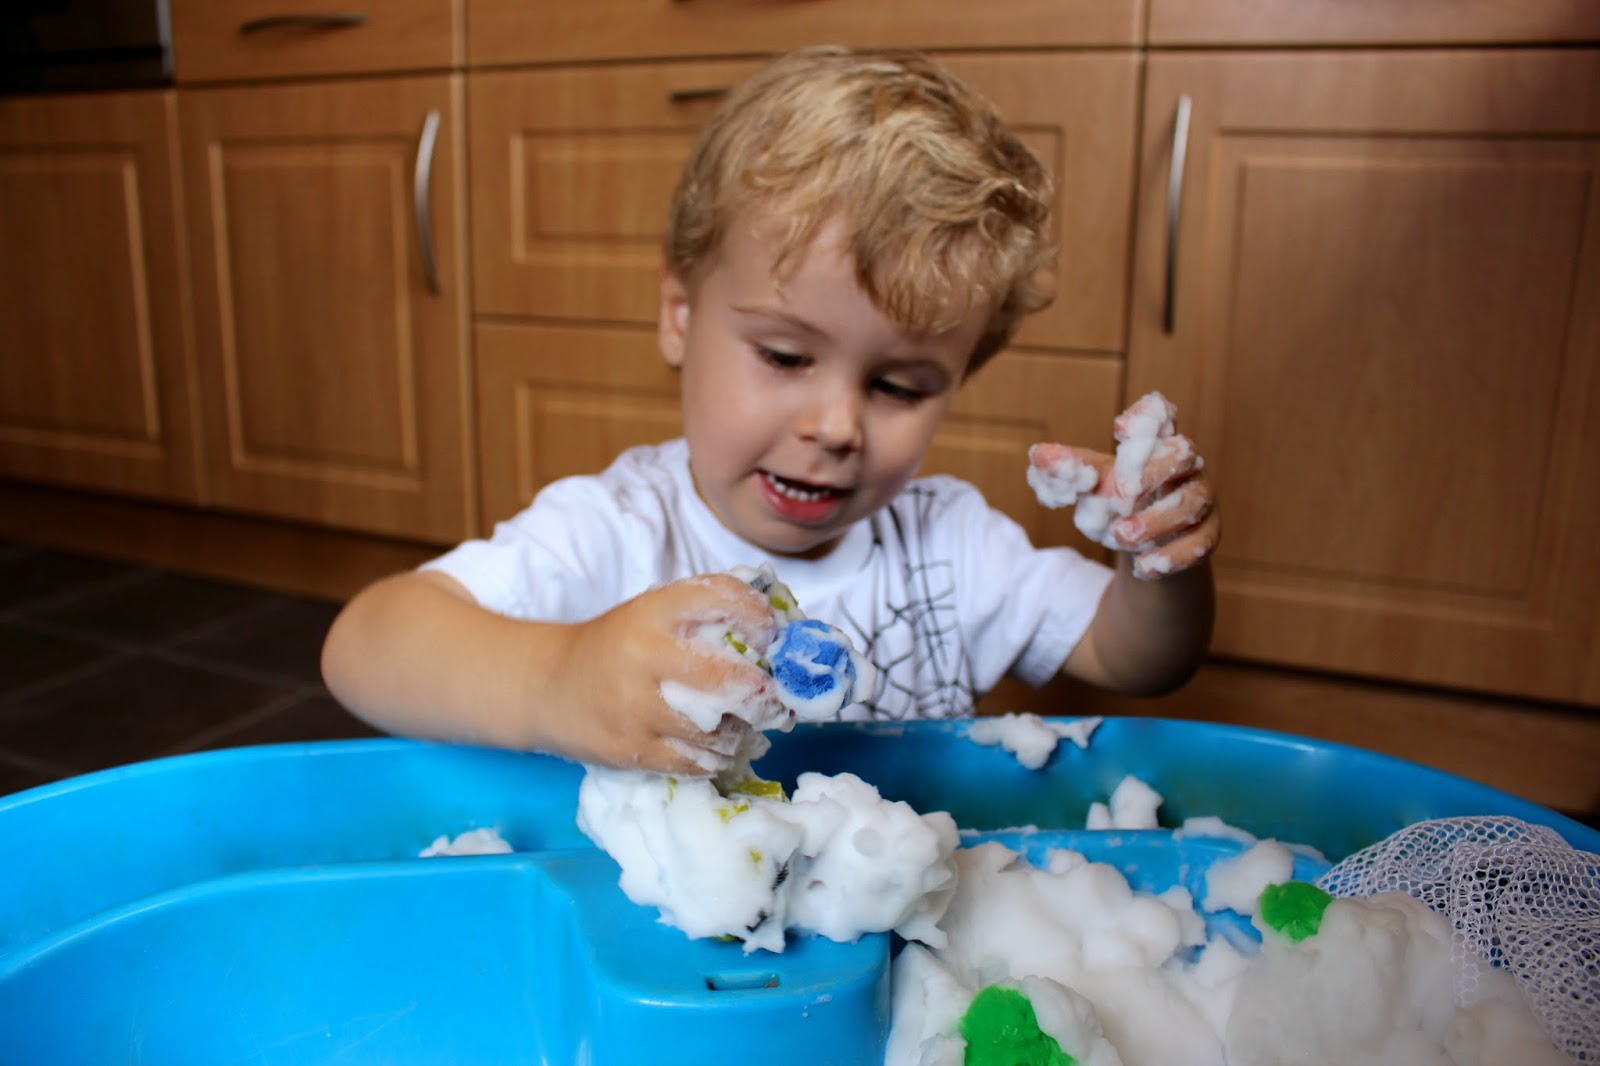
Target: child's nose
833, 421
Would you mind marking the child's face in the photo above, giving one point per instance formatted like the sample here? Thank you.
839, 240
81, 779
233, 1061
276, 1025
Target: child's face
804, 407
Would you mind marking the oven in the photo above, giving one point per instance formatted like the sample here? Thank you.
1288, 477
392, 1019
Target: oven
63, 45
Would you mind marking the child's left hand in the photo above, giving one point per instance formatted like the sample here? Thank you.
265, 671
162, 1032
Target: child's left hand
1151, 499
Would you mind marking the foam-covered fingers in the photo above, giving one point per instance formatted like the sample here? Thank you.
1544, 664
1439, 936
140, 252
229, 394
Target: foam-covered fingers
729, 736
1182, 552
1173, 459
723, 601
1151, 415
686, 759
1059, 474
1177, 510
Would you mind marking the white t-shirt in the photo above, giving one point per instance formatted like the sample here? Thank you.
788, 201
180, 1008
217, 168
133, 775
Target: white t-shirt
943, 593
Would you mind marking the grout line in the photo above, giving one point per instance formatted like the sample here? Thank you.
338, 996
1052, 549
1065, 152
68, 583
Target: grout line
61, 598
34, 764
235, 671
219, 623
237, 724
24, 692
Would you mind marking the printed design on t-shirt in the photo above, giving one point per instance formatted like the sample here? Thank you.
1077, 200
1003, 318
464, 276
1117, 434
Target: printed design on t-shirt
914, 639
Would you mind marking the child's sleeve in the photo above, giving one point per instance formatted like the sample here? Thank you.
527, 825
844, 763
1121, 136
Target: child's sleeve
565, 558
1023, 608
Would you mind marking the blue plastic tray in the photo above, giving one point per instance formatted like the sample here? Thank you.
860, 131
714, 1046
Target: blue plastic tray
263, 905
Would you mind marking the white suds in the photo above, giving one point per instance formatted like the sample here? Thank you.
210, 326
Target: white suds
1029, 737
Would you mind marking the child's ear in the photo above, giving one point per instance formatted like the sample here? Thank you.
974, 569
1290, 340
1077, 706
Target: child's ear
673, 325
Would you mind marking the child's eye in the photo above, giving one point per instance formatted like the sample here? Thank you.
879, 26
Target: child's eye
893, 390
781, 360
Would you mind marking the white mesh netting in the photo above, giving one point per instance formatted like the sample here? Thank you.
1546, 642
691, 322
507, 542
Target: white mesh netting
1518, 896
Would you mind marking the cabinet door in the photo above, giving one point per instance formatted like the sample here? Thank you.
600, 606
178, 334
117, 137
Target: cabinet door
503, 32
95, 384
557, 400
1382, 329
572, 170
330, 301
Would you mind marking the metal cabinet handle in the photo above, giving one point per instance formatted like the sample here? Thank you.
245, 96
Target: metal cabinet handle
1180, 151
689, 96
330, 20
421, 187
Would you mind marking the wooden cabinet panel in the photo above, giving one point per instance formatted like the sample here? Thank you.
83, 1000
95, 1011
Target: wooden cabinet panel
1022, 398
334, 373
554, 401
1344, 22
1384, 338
231, 40
573, 170
514, 31
95, 380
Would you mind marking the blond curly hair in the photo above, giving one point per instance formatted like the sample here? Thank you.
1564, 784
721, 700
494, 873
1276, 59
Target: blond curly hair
944, 207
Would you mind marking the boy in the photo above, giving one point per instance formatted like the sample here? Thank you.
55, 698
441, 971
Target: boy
852, 236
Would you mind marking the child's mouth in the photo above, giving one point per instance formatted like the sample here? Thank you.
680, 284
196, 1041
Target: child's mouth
800, 501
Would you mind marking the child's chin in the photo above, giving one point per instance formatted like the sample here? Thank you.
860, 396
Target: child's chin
799, 543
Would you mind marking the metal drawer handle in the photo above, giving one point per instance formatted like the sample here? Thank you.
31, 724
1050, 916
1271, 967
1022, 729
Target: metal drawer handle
1180, 151
689, 96
331, 20
421, 188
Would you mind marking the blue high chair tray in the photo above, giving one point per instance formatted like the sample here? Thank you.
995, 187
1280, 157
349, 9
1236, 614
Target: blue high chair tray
265, 905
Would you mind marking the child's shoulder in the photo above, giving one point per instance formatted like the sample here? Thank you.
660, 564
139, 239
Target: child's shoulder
937, 500
650, 464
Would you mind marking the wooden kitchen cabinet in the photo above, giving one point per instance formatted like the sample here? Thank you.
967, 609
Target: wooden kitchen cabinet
96, 390
573, 169
1378, 316
1325, 23
229, 40
505, 32
325, 226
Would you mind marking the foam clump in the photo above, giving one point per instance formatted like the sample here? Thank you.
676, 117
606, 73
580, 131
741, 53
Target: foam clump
1237, 883
1132, 805
1373, 985
1031, 738
471, 842
835, 859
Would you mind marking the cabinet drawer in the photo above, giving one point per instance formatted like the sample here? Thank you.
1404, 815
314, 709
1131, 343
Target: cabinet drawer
572, 170
515, 31
215, 40
1414, 22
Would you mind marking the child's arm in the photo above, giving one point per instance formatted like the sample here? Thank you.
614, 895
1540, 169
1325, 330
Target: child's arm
1148, 636
415, 654
1153, 505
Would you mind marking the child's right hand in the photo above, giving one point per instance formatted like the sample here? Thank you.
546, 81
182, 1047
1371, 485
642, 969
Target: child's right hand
606, 700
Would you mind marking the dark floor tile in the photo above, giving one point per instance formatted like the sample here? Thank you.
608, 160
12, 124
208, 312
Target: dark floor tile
283, 641
316, 717
153, 610
27, 658
16, 775
31, 575
133, 710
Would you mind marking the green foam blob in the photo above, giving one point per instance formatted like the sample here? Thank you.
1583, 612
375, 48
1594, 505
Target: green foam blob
1001, 1029
1294, 909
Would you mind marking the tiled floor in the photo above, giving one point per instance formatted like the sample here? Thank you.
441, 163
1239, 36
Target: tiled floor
104, 663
